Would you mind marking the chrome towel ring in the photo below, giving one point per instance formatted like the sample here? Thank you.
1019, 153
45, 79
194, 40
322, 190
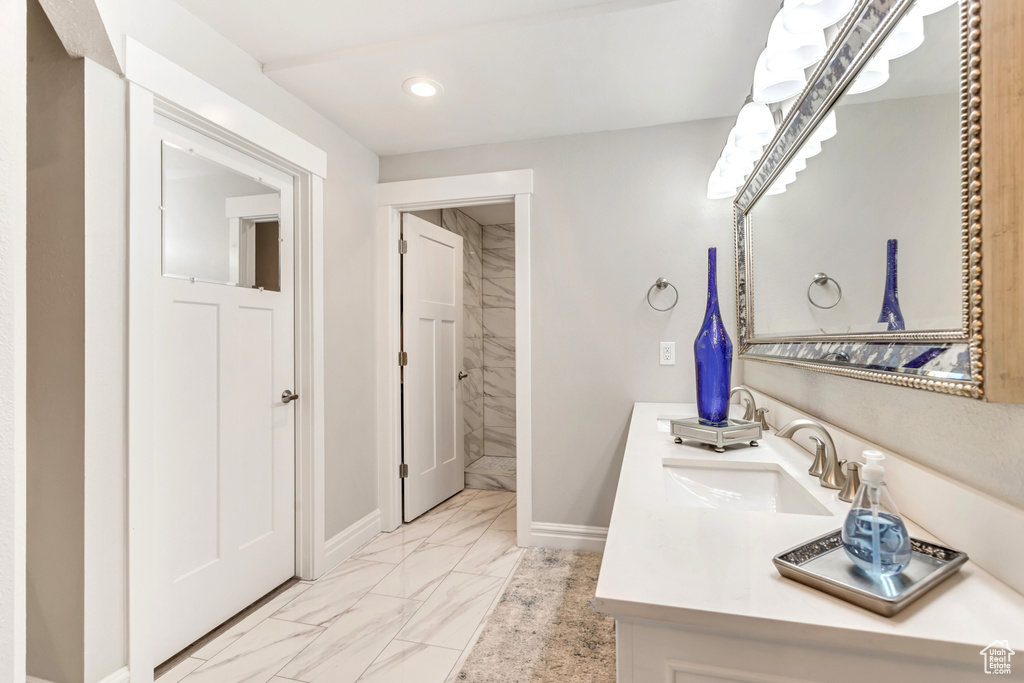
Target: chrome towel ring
822, 279
662, 283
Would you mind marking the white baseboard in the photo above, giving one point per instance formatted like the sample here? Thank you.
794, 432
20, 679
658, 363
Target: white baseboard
119, 676
568, 537
340, 547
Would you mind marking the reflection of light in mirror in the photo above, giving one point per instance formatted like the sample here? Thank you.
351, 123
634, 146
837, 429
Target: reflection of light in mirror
926, 7
787, 50
874, 74
801, 16
905, 38
755, 126
827, 129
775, 86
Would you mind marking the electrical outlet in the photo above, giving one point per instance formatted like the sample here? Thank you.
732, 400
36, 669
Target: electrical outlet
668, 353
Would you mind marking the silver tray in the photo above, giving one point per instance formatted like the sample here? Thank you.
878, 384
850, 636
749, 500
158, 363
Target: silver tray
730, 432
823, 564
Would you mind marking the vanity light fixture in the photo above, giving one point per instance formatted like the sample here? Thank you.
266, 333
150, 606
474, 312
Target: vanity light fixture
422, 87
874, 74
774, 86
801, 16
788, 51
906, 37
719, 189
736, 155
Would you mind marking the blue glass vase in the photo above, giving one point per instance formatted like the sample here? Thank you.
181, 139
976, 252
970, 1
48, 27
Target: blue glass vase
712, 351
891, 312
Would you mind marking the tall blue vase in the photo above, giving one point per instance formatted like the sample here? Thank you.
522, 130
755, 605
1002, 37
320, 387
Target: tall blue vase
891, 312
712, 351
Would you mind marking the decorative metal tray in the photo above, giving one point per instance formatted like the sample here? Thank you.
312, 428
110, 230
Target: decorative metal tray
823, 564
734, 431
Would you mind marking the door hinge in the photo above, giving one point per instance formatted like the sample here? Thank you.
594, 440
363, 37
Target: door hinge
403, 358
403, 471
403, 247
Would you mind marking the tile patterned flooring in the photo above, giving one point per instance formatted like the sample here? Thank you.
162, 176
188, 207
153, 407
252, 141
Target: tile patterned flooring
405, 608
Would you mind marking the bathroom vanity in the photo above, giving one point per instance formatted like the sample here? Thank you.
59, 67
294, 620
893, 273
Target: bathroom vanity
695, 596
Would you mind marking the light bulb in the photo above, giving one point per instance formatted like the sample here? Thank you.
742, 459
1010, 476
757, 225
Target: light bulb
755, 127
801, 16
734, 154
423, 89
906, 37
775, 86
787, 51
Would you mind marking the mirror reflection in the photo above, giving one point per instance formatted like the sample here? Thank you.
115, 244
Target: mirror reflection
862, 231
219, 225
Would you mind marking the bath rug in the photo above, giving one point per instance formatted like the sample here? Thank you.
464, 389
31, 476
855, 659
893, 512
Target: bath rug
543, 629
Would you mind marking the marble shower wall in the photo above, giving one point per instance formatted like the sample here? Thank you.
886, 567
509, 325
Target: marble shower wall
473, 342
499, 340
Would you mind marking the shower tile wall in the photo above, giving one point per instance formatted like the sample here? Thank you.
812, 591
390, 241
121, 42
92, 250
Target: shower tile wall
473, 342
499, 308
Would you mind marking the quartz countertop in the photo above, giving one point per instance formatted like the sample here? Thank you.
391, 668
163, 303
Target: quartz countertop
712, 568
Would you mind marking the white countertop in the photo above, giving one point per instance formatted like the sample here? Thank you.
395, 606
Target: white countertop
712, 569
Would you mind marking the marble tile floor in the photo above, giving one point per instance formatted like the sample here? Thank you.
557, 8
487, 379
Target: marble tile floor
406, 608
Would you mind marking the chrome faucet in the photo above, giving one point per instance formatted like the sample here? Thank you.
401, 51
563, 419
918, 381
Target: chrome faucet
832, 475
749, 408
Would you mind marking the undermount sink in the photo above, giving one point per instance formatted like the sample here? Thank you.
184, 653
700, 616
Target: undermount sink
744, 486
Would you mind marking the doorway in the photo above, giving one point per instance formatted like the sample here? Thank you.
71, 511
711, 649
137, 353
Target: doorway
432, 195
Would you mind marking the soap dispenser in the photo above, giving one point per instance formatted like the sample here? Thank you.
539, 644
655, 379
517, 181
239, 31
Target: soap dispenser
874, 535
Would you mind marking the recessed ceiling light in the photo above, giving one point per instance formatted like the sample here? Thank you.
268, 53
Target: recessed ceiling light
422, 87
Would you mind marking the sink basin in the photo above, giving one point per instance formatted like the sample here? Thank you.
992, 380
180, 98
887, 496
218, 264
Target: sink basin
745, 486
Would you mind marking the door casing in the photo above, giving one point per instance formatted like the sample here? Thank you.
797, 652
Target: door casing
158, 86
436, 193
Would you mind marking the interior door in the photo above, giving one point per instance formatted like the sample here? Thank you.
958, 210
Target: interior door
433, 447
224, 456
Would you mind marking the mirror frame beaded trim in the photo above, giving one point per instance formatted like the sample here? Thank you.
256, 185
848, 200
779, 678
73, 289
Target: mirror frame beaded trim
952, 358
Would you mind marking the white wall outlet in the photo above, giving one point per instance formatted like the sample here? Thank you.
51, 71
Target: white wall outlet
668, 353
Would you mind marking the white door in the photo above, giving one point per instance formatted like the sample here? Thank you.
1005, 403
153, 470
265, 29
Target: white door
433, 444
224, 520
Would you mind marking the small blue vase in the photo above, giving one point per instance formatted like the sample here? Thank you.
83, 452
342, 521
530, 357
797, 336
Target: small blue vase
712, 351
891, 312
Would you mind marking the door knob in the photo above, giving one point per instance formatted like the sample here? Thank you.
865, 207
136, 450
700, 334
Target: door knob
288, 396
463, 375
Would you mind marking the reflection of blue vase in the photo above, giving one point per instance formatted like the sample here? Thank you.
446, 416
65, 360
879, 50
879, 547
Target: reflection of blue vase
712, 352
890, 301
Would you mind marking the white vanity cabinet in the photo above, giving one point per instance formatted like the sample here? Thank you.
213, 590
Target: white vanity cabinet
695, 595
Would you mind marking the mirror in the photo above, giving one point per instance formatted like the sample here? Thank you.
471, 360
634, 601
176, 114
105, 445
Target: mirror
219, 225
851, 229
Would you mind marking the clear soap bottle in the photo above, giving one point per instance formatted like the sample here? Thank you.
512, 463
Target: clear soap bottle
874, 535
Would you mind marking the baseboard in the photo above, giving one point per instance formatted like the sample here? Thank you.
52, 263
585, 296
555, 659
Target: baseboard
119, 676
341, 546
568, 537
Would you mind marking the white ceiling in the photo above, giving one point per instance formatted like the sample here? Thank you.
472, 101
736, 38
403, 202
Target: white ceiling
511, 69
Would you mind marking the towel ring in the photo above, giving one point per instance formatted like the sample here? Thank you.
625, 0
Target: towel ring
662, 283
823, 279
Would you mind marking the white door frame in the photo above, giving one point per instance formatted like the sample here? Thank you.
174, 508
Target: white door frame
437, 193
158, 86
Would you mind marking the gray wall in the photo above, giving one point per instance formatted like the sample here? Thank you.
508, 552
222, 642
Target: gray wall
499, 348
611, 213
56, 356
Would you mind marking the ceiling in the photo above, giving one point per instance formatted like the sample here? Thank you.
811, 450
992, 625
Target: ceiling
511, 69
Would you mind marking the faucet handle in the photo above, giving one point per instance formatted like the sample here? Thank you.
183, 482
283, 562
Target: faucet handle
820, 458
759, 417
852, 471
